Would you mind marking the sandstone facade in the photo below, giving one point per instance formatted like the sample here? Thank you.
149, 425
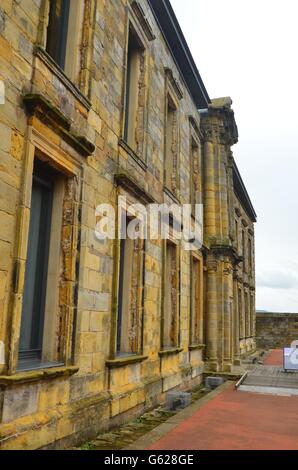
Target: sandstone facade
64, 132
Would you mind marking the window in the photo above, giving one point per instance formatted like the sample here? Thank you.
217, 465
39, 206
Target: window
194, 172
236, 233
250, 255
64, 34
247, 315
57, 30
130, 294
33, 344
36, 267
196, 302
171, 146
243, 250
252, 315
241, 316
170, 306
135, 93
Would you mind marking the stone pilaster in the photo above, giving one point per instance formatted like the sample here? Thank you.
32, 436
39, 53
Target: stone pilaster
236, 339
212, 316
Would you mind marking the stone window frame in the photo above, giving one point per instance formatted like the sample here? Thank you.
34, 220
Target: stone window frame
251, 252
61, 343
244, 247
241, 311
195, 166
77, 75
247, 311
173, 96
252, 314
116, 358
236, 233
164, 349
198, 258
139, 154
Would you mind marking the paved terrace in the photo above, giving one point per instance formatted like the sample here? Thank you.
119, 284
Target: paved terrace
228, 419
270, 377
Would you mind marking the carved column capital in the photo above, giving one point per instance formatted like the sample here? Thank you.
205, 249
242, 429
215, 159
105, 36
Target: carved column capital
218, 125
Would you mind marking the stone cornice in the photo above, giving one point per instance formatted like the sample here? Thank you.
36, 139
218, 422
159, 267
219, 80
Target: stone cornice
143, 21
38, 106
127, 182
218, 125
174, 83
227, 250
195, 125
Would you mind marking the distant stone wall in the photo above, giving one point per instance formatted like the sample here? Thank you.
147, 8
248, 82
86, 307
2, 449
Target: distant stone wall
276, 330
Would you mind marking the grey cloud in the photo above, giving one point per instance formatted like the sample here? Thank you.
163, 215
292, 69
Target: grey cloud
277, 279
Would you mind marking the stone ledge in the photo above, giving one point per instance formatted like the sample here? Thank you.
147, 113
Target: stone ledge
38, 106
233, 376
35, 376
125, 361
171, 195
194, 347
59, 73
129, 183
168, 352
123, 144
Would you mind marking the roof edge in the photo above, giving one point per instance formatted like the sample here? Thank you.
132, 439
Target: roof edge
172, 32
241, 192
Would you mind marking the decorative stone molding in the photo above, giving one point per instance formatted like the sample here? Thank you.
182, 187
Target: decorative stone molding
37, 375
171, 195
219, 125
196, 126
40, 107
140, 14
227, 250
194, 347
125, 361
170, 351
133, 154
212, 265
174, 83
126, 181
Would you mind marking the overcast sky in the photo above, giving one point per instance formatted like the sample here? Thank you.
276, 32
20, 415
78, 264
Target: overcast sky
249, 50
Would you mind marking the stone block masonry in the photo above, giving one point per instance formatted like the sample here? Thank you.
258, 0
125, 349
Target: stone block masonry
276, 330
83, 322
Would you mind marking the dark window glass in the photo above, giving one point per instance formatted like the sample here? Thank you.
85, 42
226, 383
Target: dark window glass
36, 266
57, 30
132, 87
120, 299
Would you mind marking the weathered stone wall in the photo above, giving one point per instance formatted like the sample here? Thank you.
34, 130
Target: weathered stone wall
276, 330
44, 409
244, 278
60, 406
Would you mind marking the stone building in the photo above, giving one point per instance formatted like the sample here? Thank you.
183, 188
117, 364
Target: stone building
229, 238
103, 99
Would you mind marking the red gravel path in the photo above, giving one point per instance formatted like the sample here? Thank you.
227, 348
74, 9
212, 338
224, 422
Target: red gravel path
238, 420
275, 358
